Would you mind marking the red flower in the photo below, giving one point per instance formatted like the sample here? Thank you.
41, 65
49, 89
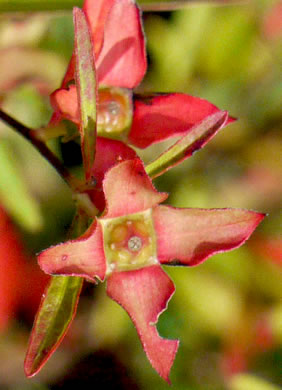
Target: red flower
134, 237
119, 50
110, 153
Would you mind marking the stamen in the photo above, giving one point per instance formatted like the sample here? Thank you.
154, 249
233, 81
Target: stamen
134, 243
113, 108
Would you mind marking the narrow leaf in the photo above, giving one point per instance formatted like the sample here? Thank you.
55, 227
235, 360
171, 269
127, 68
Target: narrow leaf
86, 89
187, 145
57, 309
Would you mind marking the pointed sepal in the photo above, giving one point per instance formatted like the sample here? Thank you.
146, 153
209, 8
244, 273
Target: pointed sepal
194, 140
85, 76
96, 13
55, 314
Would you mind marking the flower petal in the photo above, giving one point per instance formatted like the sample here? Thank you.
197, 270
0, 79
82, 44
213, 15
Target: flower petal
160, 117
82, 257
96, 12
128, 189
122, 61
187, 145
109, 153
65, 105
189, 236
144, 294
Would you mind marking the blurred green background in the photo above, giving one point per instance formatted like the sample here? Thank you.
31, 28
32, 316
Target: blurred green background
226, 312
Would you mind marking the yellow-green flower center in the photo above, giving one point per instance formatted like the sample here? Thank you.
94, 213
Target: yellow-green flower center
134, 243
114, 113
129, 241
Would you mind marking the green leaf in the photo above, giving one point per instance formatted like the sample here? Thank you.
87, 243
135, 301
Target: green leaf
14, 193
86, 89
57, 309
187, 145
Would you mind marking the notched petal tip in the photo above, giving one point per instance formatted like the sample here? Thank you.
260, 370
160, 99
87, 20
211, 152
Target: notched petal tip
144, 294
138, 193
53, 319
83, 257
109, 153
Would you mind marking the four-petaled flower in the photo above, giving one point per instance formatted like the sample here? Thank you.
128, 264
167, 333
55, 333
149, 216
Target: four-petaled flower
133, 237
120, 60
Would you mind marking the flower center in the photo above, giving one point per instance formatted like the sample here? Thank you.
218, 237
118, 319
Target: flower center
114, 113
114, 108
134, 243
129, 241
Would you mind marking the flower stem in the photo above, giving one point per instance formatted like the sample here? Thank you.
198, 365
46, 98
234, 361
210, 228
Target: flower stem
73, 182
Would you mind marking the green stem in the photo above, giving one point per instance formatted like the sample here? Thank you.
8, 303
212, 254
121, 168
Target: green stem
73, 182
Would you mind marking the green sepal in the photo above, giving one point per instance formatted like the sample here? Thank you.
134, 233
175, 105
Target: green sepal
188, 144
57, 309
85, 76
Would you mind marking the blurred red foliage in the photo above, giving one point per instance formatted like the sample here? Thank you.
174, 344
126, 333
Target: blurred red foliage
21, 281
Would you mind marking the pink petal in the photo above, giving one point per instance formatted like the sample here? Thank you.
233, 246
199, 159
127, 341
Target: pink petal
128, 189
144, 294
122, 61
96, 12
160, 117
189, 236
108, 153
65, 105
82, 257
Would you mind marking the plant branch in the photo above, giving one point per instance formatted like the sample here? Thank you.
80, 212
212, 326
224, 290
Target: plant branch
27, 133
